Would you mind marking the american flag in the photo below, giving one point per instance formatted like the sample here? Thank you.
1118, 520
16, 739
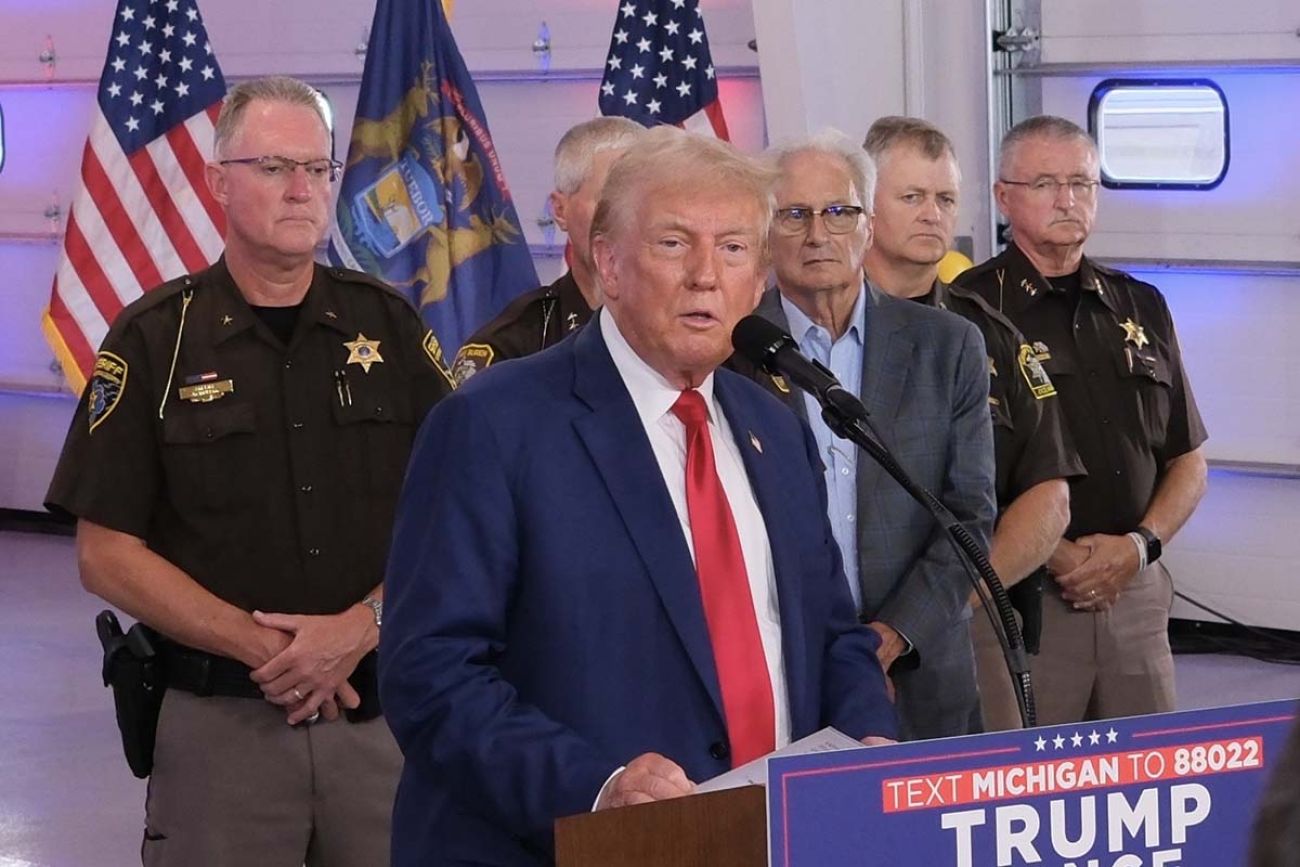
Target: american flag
143, 214
659, 69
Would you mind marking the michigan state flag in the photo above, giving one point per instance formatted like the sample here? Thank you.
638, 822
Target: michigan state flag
424, 204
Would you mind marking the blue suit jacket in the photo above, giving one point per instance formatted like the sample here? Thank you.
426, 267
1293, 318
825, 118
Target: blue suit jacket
543, 621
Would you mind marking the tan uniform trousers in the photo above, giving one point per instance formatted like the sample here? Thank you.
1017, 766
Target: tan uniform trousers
234, 785
1113, 663
997, 695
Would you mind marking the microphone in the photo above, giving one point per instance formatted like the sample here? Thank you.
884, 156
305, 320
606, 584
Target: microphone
768, 347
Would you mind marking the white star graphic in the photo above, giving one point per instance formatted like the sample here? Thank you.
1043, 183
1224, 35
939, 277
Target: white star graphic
118, 64
128, 14
1077, 740
165, 56
160, 81
650, 19
630, 98
140, 73
637, 71
607, 89
188, 39
168, 31
115, 90
146, 47
695, 36
678, 4
149, 23
1040, 744
708, 72
207, 47
620, 36
684, 89
1112, 736
653, 106
615, 63
644, 45
192, 14
1058, 742
136, 98
208, 72
185, 64
671, 28
688, 62
172, 5
182, 89
157, 106
628, 10
123, 40
132, 124
666, 55
1094, 738
661, 80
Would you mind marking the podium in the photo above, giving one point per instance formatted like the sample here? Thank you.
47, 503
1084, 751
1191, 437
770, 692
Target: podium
716, 829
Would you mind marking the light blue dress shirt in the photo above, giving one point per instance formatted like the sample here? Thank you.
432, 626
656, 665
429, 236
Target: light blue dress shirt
844, 358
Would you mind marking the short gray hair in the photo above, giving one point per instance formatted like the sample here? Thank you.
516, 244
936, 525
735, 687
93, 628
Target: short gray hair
579, 146
667, 157
860, 166
1040, 126
272, 88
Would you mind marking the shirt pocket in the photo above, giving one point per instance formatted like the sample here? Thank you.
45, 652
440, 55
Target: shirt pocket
209, 451
1148, 375
375, 425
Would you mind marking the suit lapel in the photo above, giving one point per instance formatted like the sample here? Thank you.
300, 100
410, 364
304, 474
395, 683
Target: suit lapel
617, 443
764, 471
769, 307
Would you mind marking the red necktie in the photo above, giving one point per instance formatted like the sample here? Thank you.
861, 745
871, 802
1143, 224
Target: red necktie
724, 588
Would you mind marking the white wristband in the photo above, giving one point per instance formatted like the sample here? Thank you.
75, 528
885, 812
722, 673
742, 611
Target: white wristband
1141, 544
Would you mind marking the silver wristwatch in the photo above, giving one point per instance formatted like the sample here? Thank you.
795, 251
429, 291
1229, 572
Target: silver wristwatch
376, 607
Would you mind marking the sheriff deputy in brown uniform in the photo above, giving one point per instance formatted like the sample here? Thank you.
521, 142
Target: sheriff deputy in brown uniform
916, 199
234, 466
1108, 343
545, 316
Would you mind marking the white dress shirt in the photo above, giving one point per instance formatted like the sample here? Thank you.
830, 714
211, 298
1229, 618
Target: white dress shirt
654, 397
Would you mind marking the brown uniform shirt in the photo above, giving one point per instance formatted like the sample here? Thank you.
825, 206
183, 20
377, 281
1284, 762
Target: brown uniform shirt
268, 473
1111, 351
532, 322
1030, 442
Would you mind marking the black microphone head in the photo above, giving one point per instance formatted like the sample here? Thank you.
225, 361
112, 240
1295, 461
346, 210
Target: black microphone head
758, 340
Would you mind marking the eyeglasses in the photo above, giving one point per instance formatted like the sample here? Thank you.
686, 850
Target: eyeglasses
838, 219
274, 167
1081, 188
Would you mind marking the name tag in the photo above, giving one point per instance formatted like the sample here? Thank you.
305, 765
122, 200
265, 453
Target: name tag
206, 392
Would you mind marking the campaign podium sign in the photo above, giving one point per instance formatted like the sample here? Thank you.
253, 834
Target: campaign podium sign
1167, 790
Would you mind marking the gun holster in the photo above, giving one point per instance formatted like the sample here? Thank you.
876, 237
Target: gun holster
133, 669
1027, 598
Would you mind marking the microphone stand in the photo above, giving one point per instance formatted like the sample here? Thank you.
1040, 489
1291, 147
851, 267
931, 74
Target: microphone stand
847, 419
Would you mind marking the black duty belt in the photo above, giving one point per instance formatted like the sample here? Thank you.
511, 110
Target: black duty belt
205, 674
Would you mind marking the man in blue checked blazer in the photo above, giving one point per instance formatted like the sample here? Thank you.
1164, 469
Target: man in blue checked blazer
922, 374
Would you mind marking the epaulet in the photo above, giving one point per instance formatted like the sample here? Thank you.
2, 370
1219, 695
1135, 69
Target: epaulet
969, 275
156, 297
348, 275
1118, 274
970, 296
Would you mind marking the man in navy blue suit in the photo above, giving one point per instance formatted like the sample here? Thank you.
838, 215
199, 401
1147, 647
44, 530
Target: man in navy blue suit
612, 573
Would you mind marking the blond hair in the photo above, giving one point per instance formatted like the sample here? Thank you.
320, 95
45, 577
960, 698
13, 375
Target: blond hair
272, 88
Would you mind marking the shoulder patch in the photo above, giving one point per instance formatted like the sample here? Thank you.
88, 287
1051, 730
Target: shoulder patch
472, 358
107, 383
433, 349
1031, 367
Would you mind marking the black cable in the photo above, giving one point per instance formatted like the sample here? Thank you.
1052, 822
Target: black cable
1240, 646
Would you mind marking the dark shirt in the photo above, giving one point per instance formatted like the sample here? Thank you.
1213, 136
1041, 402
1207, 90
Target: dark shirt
1031, 444
268, 473
532, 322
1112, 354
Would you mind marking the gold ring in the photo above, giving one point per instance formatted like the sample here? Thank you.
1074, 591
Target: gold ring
297, 694
1092, 593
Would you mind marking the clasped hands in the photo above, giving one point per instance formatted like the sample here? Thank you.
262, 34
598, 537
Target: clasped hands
1093, 570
